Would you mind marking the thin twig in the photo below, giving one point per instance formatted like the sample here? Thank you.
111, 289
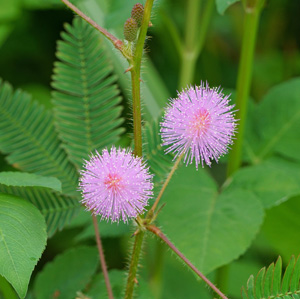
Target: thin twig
162, 190
116, 42
102, 259
158, 233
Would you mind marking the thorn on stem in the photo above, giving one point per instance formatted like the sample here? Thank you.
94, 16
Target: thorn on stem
128, 69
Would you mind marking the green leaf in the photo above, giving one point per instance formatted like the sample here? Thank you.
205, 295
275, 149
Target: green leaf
28, 136
86, 113
296, 276
285, 286
273, 181
153, 89
250, 287
21, 179
199, 221
22, 240
279, 134
67, 274
160, 163
57, 209
222, 5
280, 227
269, 282
277, 276
259, 283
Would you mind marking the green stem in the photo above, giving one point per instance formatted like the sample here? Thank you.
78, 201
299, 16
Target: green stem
131, 280
137, 131
189, 55
195, 33
243, 83
135, 78
136, 107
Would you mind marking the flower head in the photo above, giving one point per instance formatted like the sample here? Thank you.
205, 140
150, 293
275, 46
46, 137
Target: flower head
199, 123
115, 184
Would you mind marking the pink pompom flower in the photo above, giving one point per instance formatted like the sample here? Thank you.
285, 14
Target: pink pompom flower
116, 184
199, 123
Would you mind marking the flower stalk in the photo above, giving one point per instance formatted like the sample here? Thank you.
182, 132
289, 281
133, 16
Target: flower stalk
102, 258
163, 237
252, 16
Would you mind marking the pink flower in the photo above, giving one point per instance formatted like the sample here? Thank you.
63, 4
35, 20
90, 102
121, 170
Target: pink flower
116, 185
199, 123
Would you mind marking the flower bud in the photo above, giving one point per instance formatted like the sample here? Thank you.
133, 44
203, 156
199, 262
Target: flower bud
137, 13
130, 29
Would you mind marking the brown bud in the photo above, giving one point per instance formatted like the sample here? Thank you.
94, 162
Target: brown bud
137, 13
130, 29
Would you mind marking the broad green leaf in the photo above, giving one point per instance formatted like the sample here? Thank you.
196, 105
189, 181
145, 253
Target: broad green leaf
21, 179
28, 136
276, 123
67, 274
273, 181
280, 227
222, 5
175, 275
199, 221
57, 209
86, 99
22, 240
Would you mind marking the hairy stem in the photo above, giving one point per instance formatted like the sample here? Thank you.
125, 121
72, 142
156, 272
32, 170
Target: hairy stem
116, 42
131, 280
102, 258
158, 233
243, 83
137, 131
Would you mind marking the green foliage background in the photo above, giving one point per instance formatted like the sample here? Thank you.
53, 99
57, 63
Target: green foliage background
247, 222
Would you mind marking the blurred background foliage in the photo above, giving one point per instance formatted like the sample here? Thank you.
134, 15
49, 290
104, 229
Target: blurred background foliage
29, 30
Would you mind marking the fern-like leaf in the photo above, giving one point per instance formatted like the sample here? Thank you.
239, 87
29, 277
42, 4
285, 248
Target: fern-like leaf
86, 113
28, 136
270, 283
58, 210
160, 163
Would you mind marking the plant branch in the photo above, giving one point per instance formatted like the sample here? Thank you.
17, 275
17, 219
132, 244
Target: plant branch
116, 42
136, 62
135, 79
102, 258
163, 237
131, 280
162, 190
